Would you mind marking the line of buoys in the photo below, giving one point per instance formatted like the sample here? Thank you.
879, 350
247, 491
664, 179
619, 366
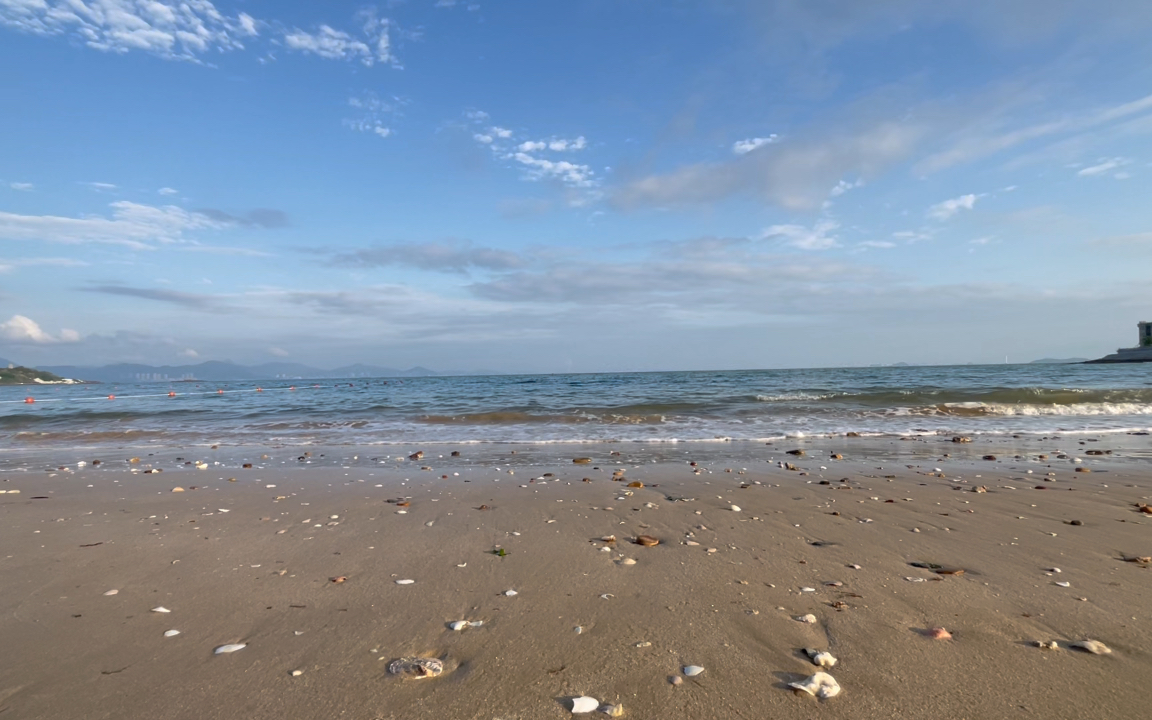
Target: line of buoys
171, 393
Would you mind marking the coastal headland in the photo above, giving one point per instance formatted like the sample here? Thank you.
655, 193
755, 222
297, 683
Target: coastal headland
854, 547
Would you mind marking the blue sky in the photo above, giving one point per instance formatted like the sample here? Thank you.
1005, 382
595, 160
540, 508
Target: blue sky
586, 185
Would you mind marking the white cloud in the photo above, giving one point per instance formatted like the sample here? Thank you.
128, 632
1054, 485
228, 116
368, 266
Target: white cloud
132, 225
175, 30
561, 145
877, 244
99, 186
477, 115
945, 210
818, 237
22, 329
532, 146
23, 186
9, 265
981, 240
1104, 165
743, 147
571, 174
168, 191
189, 353
502, 133
483, 138
279, 352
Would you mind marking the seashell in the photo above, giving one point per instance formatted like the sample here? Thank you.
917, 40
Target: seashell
635, 484
676, 680
1062, 583
459, 624
693, 670
809, 618
296, 673
628, 561
820, 658
1093, 646
612, 710
415, 668
646, 540
608, 539
405, 582
807, 589
584, 704
231, 648
161, 609
171, 633
939, 633
1050, 645
511, 593
734, 508
821, 685
582, 461
177, 489
111, 592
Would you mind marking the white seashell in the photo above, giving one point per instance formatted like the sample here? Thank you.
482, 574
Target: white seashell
231, 648
1093, 646
807, 589
809, 618
821, 658
734, 508
1050, 645
297, 673
476, 623
1064, 584
914, 579
171, 633
584, 704
405, 582
693, 670
821, 685
161, 609
111, 592
627, 561
459, 624
513, 593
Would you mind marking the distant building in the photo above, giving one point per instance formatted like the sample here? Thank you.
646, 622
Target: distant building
1141, 353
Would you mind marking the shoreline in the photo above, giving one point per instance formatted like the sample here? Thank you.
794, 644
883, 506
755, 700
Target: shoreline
74, 652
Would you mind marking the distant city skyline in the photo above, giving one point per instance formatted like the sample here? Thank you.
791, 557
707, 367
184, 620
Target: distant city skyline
586, 186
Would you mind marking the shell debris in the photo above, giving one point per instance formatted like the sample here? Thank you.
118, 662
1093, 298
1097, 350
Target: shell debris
161, 609
1093, 646
171, 633
821, 685
416, 668
616, 710
230, 648
584, 704
693, 670
820, 658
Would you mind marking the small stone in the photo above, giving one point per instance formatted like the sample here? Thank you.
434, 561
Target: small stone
676, 680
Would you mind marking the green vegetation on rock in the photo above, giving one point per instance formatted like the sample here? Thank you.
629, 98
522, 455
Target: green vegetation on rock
28, 376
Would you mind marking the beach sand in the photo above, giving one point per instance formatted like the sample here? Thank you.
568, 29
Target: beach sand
582, 622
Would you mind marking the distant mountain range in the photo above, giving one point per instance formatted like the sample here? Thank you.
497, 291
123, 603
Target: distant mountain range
222, 371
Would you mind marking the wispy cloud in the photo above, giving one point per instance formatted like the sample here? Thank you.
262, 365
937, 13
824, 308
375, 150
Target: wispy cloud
818, 237
22, 186
743, 147
1103, 166
373, 45
188, 300
101, 186
944, 210
259, 217
168, 191
141, 227
455, 256
529, 155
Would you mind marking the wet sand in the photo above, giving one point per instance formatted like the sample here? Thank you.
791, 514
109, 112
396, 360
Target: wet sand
260, 574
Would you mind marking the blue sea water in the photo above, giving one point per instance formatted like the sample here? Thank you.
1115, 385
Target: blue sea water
683, 407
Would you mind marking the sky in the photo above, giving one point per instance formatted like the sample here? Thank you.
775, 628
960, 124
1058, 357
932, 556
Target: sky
577, 186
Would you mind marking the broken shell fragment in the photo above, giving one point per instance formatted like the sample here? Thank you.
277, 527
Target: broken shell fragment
612, 710
939, 633
646, 540
734, 508
821, 685
111, 592
820, 658
1050, 645
161, 609
416, 668
693, 670
809, 618
405, 582
171, 633
1093, 646
584, 704
230, 648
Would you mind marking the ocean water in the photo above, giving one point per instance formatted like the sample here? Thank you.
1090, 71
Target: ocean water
661, 407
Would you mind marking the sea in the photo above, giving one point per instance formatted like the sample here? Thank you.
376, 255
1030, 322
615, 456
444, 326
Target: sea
655, 408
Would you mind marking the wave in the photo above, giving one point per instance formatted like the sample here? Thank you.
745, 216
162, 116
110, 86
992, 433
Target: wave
513, 417
930, 396
978, 409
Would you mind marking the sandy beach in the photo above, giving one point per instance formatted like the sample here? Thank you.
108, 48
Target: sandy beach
249, 556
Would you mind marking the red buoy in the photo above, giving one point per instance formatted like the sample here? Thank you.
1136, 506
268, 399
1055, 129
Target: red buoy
259, 389
171, 393
219, 392
29, 400
111, 397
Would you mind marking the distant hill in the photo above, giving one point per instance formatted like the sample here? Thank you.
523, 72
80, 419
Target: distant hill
5, 362
218, 371
28, 376
1058, 361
